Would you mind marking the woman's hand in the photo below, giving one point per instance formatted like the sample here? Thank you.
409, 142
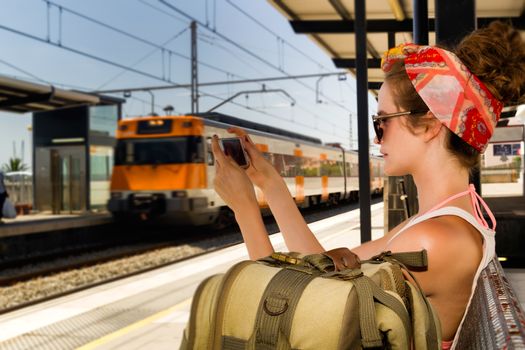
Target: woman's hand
261, 172
231, 182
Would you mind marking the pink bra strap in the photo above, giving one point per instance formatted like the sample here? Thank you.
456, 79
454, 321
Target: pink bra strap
476, 199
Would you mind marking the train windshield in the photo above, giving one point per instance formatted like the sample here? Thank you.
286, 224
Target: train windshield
172, 150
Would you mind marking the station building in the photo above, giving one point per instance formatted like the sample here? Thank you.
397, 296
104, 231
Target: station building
73, 142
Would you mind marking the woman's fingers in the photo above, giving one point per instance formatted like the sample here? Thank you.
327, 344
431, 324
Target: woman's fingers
218, 154
217, 151
251, 149
221, 159
237, 131
242, 134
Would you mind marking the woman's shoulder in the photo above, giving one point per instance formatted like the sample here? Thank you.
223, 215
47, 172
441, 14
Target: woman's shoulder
446, 238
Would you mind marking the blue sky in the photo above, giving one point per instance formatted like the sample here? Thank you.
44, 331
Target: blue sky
154, 21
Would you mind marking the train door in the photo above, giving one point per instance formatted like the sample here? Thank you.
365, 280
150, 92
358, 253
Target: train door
61, 179
69, 167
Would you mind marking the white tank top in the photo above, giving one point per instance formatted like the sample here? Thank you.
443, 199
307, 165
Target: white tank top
479, 223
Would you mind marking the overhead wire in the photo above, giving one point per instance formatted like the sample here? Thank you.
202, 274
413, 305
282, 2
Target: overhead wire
240, 47
284, 41
125, 67
205, 25
164, 12
210, 41
222, 47
85, 54
237, 57
143, 59
23, 71
135, 37
301, 52
121, 66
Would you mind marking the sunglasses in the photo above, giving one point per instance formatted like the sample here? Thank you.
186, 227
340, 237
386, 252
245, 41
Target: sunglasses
377, 119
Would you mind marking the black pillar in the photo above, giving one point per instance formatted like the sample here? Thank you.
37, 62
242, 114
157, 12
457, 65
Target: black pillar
454, 20
391, 39
362, 120
420, 22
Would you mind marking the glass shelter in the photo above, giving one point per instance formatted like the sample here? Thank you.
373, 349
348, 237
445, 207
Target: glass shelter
73, 157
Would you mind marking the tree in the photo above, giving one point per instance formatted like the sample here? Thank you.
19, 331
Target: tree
14, 164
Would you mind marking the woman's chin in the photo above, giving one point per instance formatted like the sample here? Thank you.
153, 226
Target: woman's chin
394, 172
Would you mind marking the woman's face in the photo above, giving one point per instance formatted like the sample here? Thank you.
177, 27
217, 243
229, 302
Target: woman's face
399, 146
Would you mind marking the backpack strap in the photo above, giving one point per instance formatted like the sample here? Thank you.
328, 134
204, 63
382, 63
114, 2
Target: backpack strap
337, 259
417, 260
367, 292
277, 307
432, 336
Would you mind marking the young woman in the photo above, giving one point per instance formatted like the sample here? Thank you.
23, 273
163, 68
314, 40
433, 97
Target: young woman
437, 110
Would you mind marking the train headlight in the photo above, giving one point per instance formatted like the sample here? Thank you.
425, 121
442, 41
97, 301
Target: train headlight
179, 194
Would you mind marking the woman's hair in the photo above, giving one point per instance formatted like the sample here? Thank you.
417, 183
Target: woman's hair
496, 55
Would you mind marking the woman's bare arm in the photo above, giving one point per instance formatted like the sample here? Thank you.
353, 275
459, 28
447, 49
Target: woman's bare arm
235, 188
297, 235
254, 232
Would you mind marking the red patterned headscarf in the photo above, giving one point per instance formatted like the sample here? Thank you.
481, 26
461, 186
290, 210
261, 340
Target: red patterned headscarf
452, 93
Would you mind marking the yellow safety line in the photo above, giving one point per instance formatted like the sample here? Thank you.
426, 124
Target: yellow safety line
139, 324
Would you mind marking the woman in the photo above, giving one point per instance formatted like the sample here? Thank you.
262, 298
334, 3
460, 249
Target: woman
437, 111
3, 195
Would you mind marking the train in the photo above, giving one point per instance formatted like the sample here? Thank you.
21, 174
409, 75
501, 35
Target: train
164, 168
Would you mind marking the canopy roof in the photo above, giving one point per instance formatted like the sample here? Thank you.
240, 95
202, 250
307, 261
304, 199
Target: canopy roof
329, 23
21, 96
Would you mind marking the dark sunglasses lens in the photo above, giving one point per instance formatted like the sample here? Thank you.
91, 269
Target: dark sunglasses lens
378, 130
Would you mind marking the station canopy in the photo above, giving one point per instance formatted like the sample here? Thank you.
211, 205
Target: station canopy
20, 96
329, 23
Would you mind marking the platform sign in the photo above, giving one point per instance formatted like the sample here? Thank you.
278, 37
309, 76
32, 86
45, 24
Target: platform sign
507, 149
502, 149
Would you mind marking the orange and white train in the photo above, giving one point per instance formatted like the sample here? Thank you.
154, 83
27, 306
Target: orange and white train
164, 168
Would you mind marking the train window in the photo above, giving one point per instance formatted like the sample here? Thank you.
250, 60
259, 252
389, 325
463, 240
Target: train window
292, 166
311, 167
352, 169
197, 153
339, 168
299, 166
173, 150
331, 168
278, 162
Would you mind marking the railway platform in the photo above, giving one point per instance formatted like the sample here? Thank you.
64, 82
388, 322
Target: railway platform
151, 310
39, 223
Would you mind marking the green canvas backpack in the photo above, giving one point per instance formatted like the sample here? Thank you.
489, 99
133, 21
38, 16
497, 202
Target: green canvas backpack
319, 301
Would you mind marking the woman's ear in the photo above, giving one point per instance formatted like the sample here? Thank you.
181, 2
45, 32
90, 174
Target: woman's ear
432, 128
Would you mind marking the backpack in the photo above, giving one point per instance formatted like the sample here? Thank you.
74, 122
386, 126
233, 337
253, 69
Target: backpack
318, 301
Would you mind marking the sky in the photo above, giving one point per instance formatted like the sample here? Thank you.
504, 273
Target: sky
236, 40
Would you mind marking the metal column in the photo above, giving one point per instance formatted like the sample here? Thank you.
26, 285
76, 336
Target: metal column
420, 22
194, 77
454, 20
362, 120
391, 39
